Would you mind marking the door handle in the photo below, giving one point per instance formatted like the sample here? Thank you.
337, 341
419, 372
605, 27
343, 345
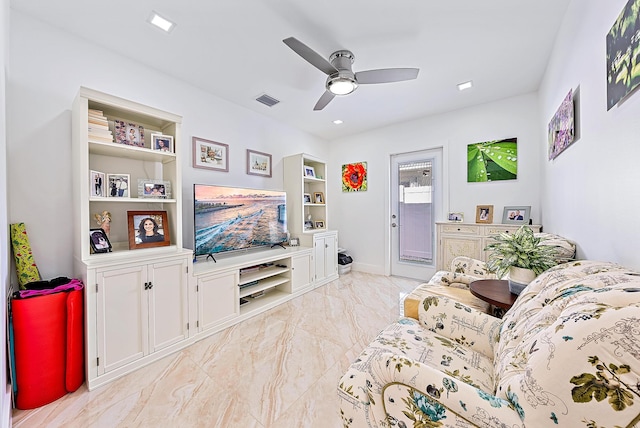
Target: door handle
393, 225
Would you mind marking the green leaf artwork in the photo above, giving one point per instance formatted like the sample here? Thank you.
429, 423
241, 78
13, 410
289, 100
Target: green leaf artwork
492, 160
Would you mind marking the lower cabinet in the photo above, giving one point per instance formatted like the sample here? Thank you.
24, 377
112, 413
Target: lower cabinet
134, 310
217, 299
301, 272
325, 253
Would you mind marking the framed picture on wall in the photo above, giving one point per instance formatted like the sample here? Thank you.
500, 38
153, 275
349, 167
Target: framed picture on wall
516, 215
209, 154
258, 163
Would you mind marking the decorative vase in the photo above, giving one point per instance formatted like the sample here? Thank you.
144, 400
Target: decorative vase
519, 278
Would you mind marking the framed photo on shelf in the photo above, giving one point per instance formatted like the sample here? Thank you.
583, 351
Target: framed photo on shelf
294, 242
484, 214
97, 184
209, 154
258, 163
163, 143
128, 133
309, 171
306, 198
456, 217
157, 189
148, 229
318, 197
319, 224
99, 241
308, 225
118, 185
516, 215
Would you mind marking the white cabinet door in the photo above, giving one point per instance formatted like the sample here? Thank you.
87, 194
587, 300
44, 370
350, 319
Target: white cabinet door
168, 304
301, 276
122, 317
319, 257
217, 299
325, 253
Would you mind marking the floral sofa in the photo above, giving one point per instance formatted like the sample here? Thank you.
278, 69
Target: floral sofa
464, 270
566, 354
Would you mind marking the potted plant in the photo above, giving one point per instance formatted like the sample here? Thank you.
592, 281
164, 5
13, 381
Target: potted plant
521, 254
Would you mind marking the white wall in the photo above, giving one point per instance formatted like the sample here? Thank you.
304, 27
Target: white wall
590, 191
362, 218
5, 398
47, 68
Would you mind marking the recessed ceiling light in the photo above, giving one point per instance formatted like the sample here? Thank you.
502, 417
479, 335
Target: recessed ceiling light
337, 122
160, 22
465, 85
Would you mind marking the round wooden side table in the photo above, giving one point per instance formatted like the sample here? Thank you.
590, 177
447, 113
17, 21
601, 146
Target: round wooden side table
493, 291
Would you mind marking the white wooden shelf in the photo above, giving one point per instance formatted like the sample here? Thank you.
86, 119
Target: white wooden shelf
263, 285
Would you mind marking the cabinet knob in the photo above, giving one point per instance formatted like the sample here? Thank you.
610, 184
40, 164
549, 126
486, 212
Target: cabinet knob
150, 285
146, 285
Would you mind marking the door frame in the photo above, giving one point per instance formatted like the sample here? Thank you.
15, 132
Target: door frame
438, 212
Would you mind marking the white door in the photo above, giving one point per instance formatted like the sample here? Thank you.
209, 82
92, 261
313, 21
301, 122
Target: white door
416, 197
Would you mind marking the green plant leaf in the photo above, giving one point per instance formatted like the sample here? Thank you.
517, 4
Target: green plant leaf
504, 154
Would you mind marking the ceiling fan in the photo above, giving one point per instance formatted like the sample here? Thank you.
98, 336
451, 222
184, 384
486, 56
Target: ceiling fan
342, 80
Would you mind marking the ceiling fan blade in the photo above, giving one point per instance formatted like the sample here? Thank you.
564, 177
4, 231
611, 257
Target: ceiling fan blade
386, 75
310, 55
324, 100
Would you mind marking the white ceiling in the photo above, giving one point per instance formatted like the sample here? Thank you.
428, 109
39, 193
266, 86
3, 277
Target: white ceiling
234, 49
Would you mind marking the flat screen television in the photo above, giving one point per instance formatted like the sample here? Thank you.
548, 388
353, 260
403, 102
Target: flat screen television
232, 218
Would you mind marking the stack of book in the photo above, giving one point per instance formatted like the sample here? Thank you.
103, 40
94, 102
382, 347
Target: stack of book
99, 127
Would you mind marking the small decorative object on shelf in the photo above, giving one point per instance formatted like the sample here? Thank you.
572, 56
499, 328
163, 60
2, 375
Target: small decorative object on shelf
148, 229
309, 171
97, 184
484, 214
163, 143
516, 215
129, 133
319, 224
99, 241
318, 197
104, 221
307, 198
308, 225
118, 185
456, 217
154, 189
294, 242
99, 127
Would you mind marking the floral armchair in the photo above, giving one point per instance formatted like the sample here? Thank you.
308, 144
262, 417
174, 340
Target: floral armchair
464, 270
566, 354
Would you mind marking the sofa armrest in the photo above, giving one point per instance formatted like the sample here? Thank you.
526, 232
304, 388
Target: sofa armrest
470, 266
458, 280
404, 391
463, 324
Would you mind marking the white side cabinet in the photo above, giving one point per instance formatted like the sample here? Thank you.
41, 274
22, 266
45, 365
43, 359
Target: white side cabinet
325, 253
468, 239
141, 309
217, 299
301, 272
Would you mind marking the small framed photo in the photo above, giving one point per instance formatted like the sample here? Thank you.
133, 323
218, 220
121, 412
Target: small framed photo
209, 154
258, 163
163, 143
516, 215
306, 198
484, 214
294, 242
148, 229
150, 188
309, 171
99, 241
319, 224
97, 184
308, 225
128, 133
318, 198
456, 217
118, 185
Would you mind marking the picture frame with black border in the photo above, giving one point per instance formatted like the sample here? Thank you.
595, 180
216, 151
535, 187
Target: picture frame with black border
294, 242
148, 229
308, 225
162, 143
154, 189
98, 184
319, 224
516, 214
484, 214
306, 198
99, 241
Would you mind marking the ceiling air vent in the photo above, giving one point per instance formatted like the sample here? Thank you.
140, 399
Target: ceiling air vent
267, 100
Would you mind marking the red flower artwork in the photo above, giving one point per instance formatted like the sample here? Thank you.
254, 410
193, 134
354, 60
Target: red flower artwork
354, 177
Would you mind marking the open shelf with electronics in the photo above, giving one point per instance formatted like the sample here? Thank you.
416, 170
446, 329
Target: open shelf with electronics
264, 283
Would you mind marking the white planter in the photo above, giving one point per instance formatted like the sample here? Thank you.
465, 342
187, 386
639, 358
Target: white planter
519, 278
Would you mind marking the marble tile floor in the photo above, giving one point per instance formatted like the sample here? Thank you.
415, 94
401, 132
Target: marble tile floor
279, 369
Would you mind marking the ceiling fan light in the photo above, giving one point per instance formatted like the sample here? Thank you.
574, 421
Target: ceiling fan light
341, 86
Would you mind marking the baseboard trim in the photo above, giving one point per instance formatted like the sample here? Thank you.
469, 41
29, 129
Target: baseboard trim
367, 268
